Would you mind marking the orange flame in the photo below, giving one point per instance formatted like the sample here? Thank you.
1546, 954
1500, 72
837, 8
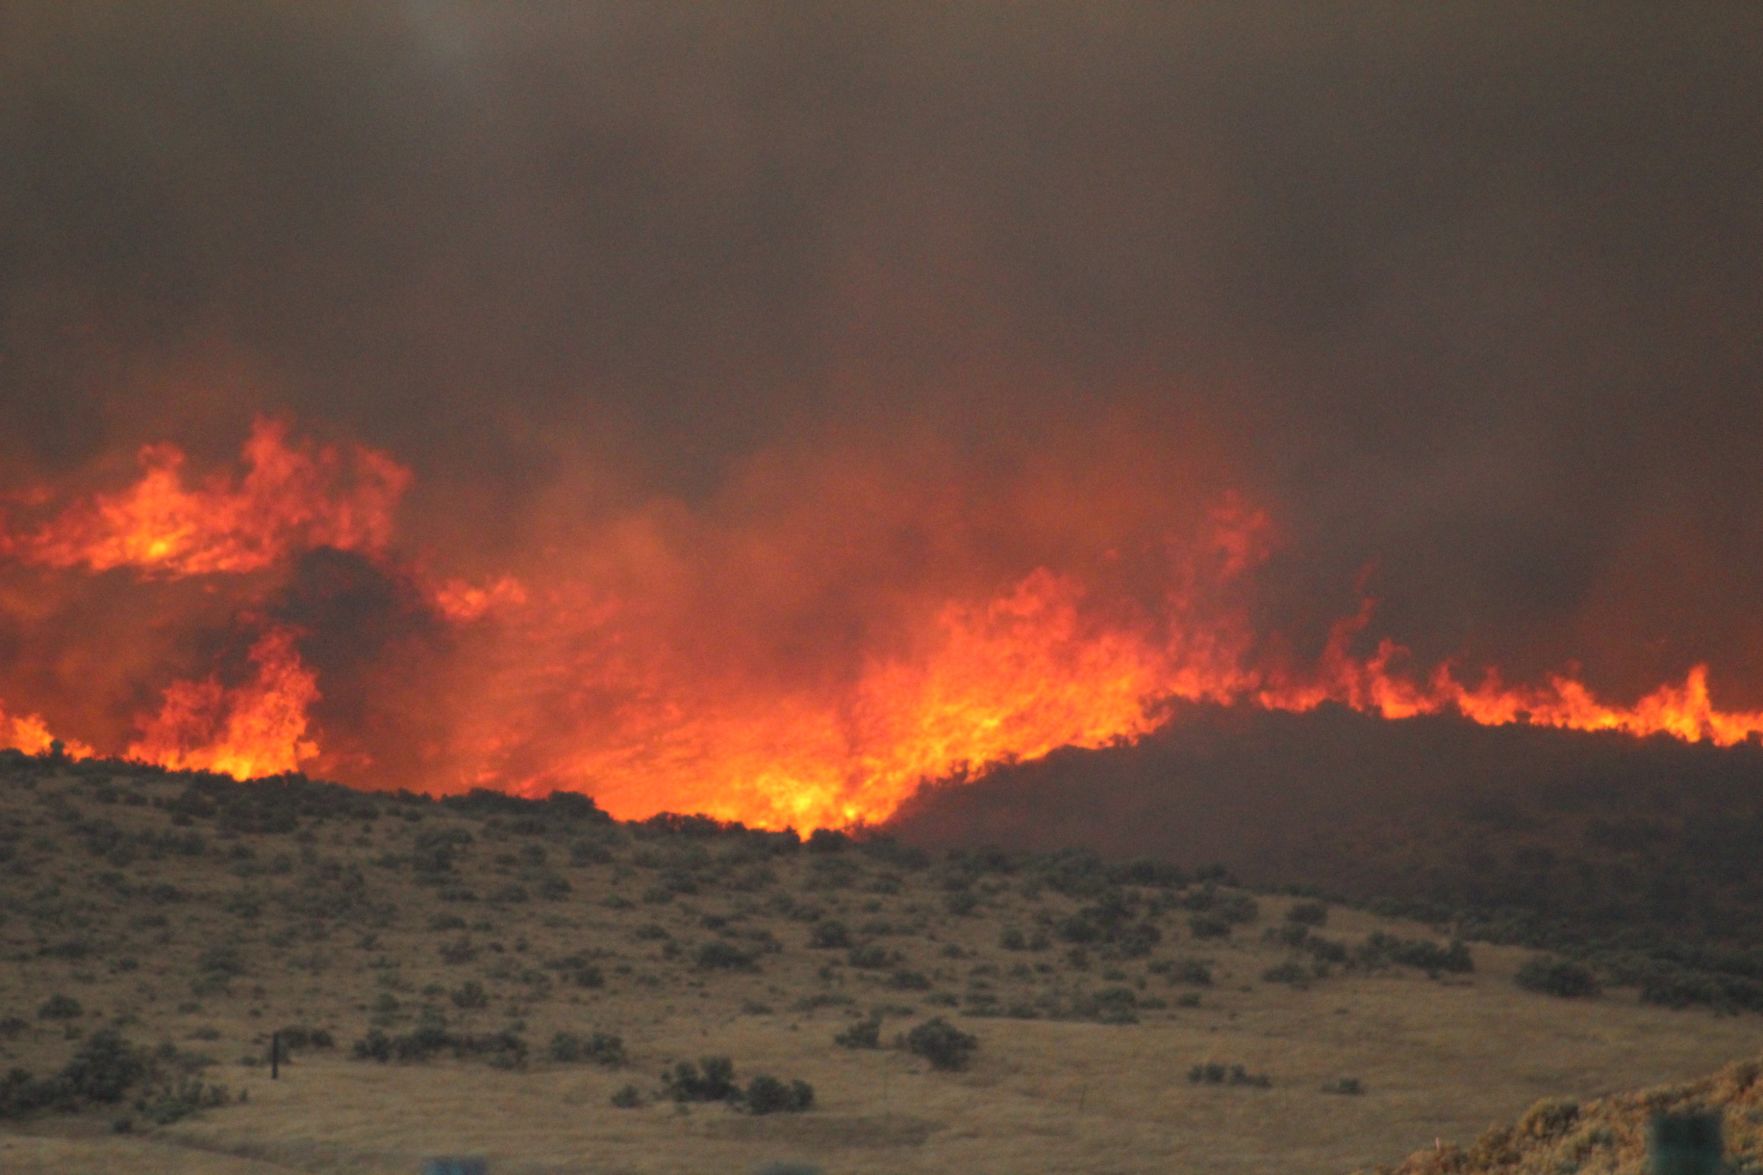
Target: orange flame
30, 734
561, 681
291, 497
255, 729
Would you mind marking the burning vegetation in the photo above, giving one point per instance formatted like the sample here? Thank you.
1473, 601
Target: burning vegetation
758, 692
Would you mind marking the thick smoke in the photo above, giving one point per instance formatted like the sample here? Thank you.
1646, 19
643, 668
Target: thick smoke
793, 316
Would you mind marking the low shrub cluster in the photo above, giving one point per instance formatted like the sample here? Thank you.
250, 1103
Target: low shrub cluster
1557, 977
860, 1034
602, 1048
942, 1044
1218, 1073
1387, 950
431, 1038
712, 1079
164, 1085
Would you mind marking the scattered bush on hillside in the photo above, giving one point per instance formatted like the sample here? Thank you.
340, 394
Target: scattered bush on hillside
829, 935
627, 1097
1557, 977
1290, 972
942, 1044
872, 957
711, 1080
60, 1007
470, 995
721, 955
1217, 1073
431, 1037
1308, 914
860, 1034
1185, 972
766, 1094
1386, 950
1205, 925
1348, 1086
107, 1069
602, 1048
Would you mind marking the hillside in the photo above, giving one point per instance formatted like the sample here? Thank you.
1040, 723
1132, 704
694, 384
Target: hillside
1606, 1135
1638, 855
489, 975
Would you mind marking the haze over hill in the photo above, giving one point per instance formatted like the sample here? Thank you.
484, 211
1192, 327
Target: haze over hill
756, 410
1596, 832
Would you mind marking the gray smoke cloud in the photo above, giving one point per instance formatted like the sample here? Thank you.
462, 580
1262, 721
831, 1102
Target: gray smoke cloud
1466, 293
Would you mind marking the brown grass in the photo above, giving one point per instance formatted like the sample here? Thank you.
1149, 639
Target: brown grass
320, 945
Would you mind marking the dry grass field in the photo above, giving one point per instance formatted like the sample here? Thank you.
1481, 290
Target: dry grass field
489, 941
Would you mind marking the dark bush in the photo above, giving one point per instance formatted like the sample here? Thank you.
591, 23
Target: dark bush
1208, 925
713, 1082
827, 840
766, 1094
1291, 971
627, 1097
722, 955
104, 1068
602, 1048
872, 956
470, 995
942, 1044
829, 935
60, 1007
1308, 914
1557, 977
860, 1034
1384, 950
1216, 1073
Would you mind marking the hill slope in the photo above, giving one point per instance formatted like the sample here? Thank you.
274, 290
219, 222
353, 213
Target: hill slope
519, 964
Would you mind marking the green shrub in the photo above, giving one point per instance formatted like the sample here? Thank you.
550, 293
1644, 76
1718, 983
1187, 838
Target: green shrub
1308, 914
627, 1097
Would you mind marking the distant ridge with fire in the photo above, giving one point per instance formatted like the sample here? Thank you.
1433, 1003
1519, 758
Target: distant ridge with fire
583, 673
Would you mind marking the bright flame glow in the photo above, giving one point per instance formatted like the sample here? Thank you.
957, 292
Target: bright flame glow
290, 498
561, 680
259, 728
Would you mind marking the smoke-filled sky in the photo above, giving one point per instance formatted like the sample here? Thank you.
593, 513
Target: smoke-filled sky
1466, 297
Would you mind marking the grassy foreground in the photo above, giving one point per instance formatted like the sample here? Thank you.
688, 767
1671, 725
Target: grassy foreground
489, 976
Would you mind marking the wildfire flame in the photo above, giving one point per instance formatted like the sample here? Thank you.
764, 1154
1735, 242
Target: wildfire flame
291, 497
258, 728
564, 682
